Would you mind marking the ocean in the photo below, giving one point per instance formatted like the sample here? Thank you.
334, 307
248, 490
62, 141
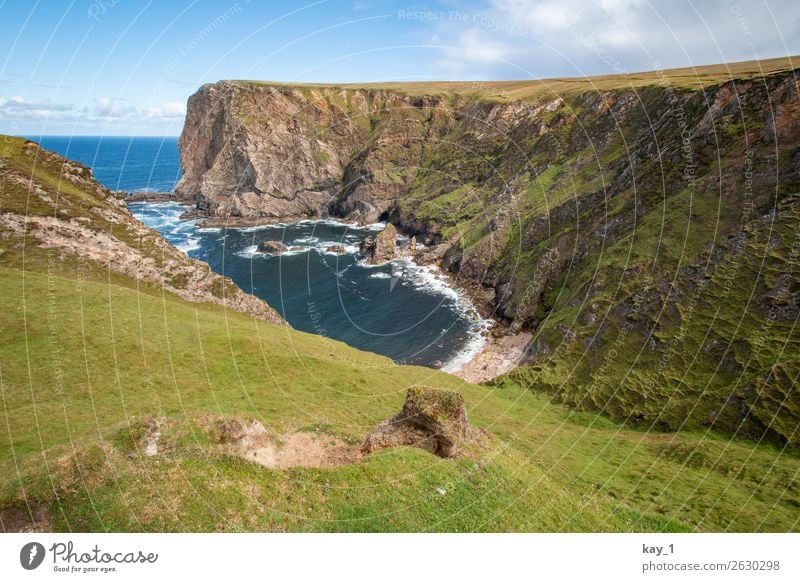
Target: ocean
402, 310
150, 164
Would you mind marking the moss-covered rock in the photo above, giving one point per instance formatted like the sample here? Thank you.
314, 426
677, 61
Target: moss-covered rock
433, 420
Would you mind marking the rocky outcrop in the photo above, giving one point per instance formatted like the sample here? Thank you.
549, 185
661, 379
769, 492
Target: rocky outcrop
272, 247
274, 151
86, 225
382, 248
432, 420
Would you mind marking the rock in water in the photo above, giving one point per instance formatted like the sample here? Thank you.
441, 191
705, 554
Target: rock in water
338, 249
272, 247
433, 420
367, 247
382, 248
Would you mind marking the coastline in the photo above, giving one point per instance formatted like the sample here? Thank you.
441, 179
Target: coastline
421, 266
501, 353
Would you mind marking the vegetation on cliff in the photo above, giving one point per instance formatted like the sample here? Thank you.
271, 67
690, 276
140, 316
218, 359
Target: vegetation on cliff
90, 354
642, 227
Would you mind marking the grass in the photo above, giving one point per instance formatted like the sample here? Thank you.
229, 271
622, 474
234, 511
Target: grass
86, 359
689, 78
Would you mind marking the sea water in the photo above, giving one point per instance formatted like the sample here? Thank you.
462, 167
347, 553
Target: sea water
408, 312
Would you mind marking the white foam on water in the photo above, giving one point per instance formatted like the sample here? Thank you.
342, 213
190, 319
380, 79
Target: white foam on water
257, 228
430, 278
465, 355
296, 251
210, 229
380, 275
328, 221
322, 247
191, 244
375, 226
249, 252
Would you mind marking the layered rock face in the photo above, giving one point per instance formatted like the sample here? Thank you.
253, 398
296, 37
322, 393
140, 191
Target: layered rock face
254, 150
608, 218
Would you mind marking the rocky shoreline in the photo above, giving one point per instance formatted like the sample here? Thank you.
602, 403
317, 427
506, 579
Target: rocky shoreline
503, 348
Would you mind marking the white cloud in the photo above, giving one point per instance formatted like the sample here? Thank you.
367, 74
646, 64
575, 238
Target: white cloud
104, 110
523, 38
173, 109
474, 47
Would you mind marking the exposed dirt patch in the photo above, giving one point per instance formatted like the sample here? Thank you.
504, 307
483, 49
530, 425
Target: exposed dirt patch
249, 439
303, 449
20, 520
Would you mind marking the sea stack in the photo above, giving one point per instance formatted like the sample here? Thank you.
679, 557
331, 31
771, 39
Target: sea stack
382, 248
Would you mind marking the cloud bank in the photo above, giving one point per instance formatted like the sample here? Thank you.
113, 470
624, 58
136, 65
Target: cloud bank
106, 112
544, 38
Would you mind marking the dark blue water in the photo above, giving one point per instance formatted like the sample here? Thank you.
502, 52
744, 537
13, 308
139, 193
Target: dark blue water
134, 164
402, 310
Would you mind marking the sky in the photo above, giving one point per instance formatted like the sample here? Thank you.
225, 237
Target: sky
119, 67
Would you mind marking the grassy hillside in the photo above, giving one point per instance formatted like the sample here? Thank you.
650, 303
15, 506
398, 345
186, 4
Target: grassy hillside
91, 351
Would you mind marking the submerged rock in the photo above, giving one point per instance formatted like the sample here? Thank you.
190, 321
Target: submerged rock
382, 248
432, 420
272, 247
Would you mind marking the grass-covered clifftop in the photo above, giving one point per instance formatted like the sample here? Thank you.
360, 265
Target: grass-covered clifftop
93, 355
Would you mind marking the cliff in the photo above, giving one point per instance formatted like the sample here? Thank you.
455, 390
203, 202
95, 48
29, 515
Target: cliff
55, 217
641, 226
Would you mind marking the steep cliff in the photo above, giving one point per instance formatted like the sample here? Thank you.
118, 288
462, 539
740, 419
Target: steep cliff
642, 226
254, 150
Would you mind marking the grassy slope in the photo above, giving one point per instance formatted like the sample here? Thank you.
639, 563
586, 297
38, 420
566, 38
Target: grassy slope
125, 353
583, 167
84, 352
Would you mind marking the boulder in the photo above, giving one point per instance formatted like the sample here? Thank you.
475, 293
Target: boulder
382, 248
272, 247
338, 249
433, 420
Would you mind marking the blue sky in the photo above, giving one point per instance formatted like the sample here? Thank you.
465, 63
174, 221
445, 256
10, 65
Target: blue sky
119, 67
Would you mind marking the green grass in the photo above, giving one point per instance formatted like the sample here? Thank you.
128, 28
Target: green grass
87, 356
123, 355
692, 78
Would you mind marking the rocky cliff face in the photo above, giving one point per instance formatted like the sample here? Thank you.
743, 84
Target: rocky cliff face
590, 215
253, 150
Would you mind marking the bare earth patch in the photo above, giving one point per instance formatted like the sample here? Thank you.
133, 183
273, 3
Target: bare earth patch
304, 449
249, 439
